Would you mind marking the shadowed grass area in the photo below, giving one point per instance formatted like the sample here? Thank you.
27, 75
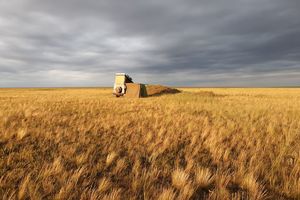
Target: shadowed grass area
216, 143
158, 90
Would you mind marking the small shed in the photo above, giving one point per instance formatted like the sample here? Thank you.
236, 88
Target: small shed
125, 87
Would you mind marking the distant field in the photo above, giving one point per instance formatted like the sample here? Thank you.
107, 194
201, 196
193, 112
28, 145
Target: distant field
199, 144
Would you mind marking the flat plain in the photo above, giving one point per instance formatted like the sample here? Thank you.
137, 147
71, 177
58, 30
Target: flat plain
202, 143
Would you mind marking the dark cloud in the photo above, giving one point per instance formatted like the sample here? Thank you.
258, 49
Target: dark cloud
192, 42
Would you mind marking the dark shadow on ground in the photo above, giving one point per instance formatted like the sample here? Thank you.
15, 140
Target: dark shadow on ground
158, 90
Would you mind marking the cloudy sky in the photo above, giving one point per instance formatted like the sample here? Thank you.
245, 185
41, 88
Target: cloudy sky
174, 42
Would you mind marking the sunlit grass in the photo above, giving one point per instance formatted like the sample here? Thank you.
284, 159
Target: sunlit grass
203, 143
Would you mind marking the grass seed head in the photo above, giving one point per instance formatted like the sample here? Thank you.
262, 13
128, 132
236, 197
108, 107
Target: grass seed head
179, 178
203, 177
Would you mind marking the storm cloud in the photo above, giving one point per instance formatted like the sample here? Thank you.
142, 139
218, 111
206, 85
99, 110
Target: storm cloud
174, 42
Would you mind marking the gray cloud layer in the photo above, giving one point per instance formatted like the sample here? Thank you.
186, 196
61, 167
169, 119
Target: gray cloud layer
176, 42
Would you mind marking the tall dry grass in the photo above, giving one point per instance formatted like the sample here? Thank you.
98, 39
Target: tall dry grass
199, 144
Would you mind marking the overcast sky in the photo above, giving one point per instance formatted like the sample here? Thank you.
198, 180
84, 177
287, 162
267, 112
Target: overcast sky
45, 43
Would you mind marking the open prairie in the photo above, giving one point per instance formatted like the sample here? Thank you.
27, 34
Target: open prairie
202, 143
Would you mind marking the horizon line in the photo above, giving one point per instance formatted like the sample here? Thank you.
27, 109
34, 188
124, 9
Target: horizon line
79, 87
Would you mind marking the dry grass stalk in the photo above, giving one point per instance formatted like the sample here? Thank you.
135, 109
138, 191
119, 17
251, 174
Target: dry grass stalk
104, 185
167, 194
23, 189
115, 194
22, 133
111, 157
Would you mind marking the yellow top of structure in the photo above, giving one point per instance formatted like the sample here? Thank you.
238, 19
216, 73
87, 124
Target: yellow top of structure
121, 78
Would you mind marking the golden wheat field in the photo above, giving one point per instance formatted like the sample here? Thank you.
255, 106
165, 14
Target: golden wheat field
83, 143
